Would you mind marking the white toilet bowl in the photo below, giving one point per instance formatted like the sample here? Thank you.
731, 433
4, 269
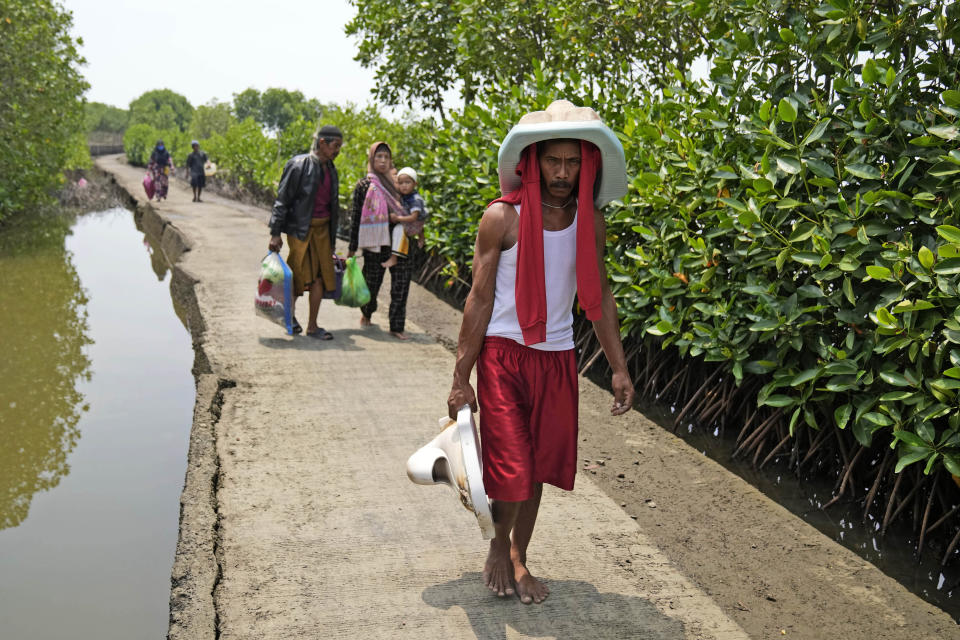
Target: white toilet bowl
453, 458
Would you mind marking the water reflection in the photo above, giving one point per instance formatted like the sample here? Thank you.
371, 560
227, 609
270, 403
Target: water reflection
44, 320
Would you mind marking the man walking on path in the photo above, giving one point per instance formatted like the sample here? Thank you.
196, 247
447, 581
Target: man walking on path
196, 162
538, 246
307, 209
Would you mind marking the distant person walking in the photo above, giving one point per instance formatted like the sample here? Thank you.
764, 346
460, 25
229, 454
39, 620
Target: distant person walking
196, 164
160, 166
307, 209
377, 206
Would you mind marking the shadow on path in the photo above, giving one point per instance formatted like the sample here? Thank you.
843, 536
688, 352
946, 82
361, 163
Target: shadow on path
574, 610
343, 340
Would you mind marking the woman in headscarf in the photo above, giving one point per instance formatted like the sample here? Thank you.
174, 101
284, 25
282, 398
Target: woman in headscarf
376, 206
160, 168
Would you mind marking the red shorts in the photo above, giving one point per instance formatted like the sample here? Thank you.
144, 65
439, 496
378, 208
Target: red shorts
528, 418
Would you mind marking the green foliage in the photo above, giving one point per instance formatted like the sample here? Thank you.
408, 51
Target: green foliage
210, 119
245, 155
103, 117
795, 219
422, 50
246, 104
140, 140
275, 109
361, 128
251, 158
78, 153
162, 109
40, 108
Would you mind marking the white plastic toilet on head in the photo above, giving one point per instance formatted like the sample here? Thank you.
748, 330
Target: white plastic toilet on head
453, 458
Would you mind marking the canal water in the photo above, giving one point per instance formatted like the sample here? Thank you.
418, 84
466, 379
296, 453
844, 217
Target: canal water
96, 401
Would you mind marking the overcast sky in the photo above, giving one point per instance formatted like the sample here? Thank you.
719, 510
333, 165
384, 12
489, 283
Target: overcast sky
211, 49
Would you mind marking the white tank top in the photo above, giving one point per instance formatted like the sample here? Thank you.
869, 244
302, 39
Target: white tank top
560, 271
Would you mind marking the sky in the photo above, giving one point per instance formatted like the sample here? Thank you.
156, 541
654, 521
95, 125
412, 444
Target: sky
211, 49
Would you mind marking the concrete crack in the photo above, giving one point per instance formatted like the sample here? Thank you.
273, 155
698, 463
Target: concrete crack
216, 407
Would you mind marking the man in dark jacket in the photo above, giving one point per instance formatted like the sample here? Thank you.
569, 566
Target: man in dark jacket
307, 209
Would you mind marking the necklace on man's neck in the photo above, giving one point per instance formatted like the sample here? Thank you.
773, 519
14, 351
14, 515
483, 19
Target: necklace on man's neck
554, 206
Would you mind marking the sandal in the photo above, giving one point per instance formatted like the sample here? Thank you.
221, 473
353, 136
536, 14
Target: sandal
296, 328
320, 334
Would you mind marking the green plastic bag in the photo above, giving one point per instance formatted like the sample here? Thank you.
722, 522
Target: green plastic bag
354, 292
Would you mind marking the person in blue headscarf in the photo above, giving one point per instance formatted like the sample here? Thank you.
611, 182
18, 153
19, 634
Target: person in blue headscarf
160, 168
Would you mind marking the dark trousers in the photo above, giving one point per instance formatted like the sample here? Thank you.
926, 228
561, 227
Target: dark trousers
399, 285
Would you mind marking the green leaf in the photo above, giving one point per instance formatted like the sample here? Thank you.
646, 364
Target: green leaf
945, 383
862, 170
911, 126
949, 233
789, 203
816, 133
878, 418
948, 266
951, 97
779, 401
787, 109
943, 169
895, 396
788, 165
804, 376
879, 273
910, 439
721, 173
765, 325
764, 111
848, 291
918, 305
926, 258
869, 72
762, 185
806, 257
910, 458
895, 379
819, 167
788, 36
760, 367
841, 415
890, 77
747, 219
945, 131
734, 203
951, 463
886, 318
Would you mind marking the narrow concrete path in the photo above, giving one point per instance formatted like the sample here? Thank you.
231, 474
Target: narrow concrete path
321, 535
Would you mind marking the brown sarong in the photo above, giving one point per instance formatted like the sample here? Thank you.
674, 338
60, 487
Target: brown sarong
312, 258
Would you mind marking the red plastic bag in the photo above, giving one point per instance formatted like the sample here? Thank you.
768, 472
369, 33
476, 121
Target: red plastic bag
274, 299
148, 185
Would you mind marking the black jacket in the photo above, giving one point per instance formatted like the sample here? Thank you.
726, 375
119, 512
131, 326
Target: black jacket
293, 208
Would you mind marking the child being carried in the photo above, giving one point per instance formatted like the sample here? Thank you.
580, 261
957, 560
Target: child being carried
410, 225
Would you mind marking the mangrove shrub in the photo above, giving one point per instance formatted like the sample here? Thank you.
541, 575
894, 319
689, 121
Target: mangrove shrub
41, 105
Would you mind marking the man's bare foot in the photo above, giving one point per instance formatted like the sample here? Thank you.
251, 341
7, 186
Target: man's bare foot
364, 321
529, 588
399, 335
498, 570
389, 263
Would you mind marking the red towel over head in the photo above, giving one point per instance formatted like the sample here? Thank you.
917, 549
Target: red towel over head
531, 292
